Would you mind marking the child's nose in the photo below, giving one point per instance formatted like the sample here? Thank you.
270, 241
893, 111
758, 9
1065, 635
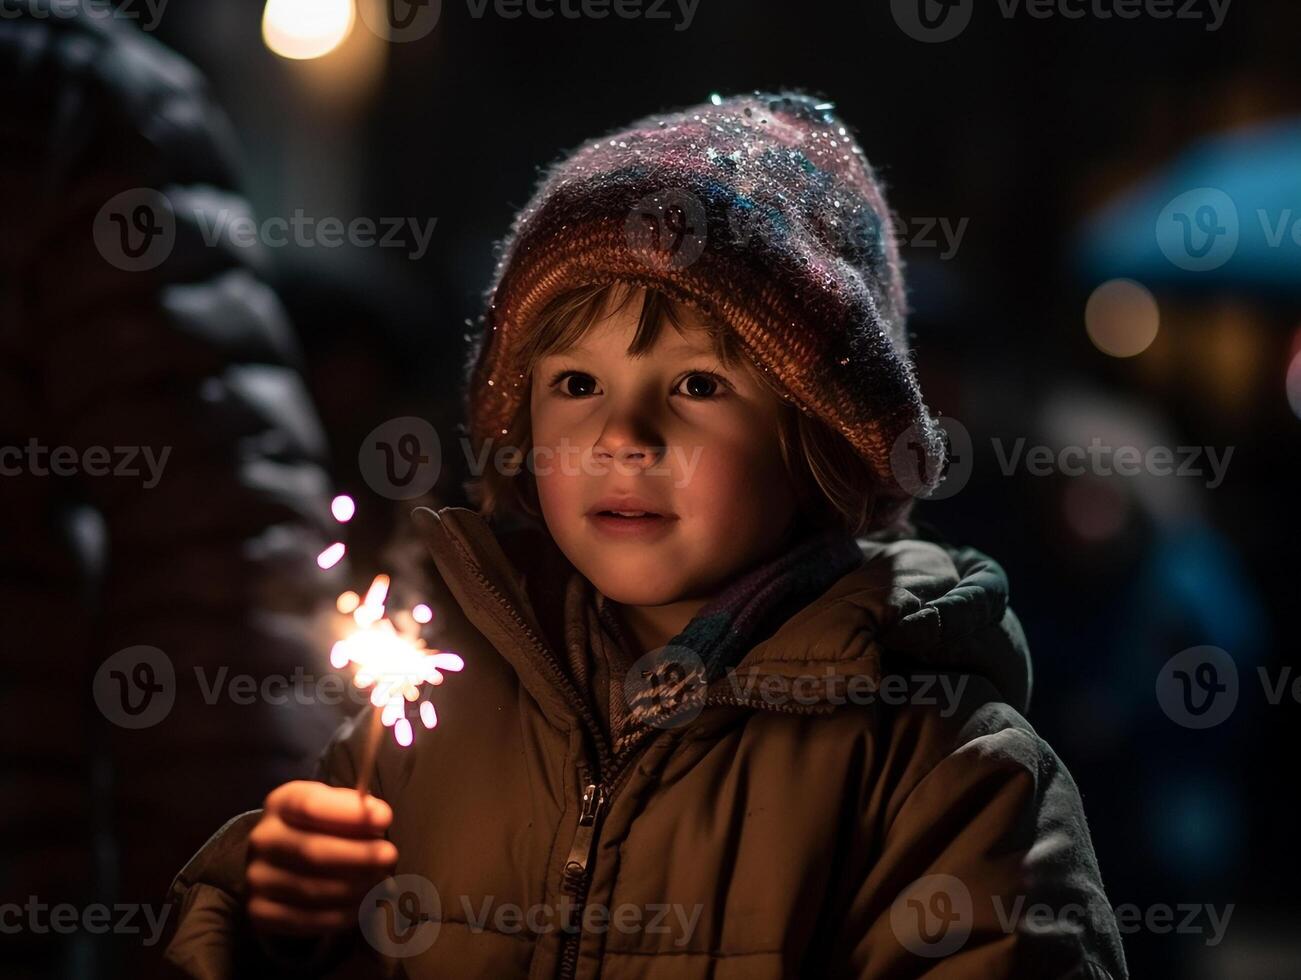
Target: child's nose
630, 442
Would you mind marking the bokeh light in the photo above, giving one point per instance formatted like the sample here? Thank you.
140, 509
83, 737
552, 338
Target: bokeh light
303, 29
343, 507
1294, 376
1122, 318
332, 555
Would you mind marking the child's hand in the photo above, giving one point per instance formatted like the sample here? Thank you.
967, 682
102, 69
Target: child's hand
315, 853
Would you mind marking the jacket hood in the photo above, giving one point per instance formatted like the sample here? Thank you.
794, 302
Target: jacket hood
910, 602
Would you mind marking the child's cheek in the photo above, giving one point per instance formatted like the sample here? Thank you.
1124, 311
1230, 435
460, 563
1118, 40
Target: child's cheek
736, 491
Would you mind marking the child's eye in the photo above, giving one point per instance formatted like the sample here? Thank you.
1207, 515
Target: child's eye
574, 384
697, 385
701, 385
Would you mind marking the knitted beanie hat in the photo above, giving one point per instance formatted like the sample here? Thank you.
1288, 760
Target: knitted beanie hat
762, 212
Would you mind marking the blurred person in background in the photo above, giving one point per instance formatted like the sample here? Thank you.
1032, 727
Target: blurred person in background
162, 486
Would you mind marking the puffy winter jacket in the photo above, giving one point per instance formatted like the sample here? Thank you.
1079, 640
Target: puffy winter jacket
188, 497
851, 800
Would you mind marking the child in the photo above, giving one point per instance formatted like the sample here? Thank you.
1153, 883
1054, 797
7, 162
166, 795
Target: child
723, 713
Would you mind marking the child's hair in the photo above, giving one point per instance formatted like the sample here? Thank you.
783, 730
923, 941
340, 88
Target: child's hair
833, 485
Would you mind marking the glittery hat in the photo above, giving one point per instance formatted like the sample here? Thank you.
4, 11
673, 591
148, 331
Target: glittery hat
762, 212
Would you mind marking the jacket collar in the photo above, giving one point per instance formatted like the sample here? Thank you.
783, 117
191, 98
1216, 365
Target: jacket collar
916, 599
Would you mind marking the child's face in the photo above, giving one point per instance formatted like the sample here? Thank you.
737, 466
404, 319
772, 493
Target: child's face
693, 440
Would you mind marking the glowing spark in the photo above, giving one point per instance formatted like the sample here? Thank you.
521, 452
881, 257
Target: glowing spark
392, 664
332, 555
422, 613
402, 732
343, 507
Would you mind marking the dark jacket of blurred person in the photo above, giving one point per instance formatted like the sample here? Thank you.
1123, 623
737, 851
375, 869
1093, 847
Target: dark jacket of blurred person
161, 486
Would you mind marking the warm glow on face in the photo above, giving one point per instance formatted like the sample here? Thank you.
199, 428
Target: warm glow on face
301, 29
692, 437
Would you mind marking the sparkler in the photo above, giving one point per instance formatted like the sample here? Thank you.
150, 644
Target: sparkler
389, 657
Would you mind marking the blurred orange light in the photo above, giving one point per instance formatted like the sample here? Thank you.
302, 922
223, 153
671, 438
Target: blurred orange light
303, 29
1122, 318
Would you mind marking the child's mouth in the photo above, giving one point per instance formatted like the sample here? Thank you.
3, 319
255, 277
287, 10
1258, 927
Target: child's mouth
630, 523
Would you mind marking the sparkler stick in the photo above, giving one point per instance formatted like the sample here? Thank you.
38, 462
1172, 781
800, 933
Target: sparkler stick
391, 659
369, 752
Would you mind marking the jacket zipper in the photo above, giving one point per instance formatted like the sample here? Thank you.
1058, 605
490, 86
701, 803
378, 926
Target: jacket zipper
597, 794
576, 878
596, 799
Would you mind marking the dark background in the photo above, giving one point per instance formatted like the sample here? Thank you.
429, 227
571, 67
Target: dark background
1022, 127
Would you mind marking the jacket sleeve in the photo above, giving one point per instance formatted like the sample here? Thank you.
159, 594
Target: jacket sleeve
210, 937
982, 865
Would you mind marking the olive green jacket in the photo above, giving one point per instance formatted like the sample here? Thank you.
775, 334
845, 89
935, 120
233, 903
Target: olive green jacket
859, 797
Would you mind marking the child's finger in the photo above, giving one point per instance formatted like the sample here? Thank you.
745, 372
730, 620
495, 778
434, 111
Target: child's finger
286, 920
308, 891
330, 809
313, 853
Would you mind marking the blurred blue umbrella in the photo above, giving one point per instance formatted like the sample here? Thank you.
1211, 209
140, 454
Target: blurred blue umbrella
1225, 214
